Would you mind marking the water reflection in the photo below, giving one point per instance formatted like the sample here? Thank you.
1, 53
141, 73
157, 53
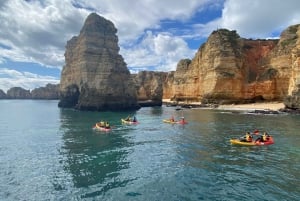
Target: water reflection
92, 158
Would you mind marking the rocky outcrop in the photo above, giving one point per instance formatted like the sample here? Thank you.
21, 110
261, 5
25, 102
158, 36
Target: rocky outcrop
168, 88
18, 93
2, 94
291, 42
149, 86
49, 92
95, 76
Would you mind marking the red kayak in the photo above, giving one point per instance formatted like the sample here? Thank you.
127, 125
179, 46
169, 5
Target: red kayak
181, 122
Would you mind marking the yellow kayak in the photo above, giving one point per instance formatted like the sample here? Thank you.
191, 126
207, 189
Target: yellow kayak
129, 121
237, 141
169, 121
252, 143
101, 128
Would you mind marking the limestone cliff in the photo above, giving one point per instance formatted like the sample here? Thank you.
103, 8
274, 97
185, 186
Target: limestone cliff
2, 94
168, 87
228, 68
95, 76
18, 93
49, 92
149, 86
291, 42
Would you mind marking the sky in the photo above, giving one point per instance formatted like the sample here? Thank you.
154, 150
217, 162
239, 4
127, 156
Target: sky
153, 34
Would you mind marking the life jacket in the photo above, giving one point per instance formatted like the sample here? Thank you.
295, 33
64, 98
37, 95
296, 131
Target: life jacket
264, 137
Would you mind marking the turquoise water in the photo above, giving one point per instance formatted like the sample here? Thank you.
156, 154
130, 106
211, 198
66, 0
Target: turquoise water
48, 153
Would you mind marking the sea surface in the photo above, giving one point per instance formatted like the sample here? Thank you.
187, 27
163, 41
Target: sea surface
48, 153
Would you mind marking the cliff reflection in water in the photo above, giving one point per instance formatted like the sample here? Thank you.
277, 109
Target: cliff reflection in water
92, 157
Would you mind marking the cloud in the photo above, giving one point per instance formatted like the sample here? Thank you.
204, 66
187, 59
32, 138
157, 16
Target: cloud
160, 52
256, 18
35, 31
11, 78
133, 17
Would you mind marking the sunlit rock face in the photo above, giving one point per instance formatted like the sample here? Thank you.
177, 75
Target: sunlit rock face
231, 69
290, 42
95, 76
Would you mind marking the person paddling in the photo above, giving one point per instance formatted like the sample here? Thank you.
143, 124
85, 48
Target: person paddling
256, 132
263, 138
246, 138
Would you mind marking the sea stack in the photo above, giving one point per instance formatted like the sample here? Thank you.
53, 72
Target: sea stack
95, 76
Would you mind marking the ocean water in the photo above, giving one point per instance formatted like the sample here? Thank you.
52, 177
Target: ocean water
48, 153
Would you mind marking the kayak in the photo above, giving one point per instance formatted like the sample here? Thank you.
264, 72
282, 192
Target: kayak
129, 122
181, 122
169, 121
101, 128
252, 143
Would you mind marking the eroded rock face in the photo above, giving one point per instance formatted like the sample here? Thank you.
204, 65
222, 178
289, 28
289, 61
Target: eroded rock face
49, 92
18, 93
291, 41
2, 94
149, 85
95, 76
230, 69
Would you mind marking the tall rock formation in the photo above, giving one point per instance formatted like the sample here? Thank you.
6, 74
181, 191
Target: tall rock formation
95, 76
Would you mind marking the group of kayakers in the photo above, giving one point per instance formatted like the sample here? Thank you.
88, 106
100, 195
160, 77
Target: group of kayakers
248, 137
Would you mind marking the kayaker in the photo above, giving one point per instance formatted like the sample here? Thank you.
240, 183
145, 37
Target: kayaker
247, 137
182, 120
172, 119
265, 137
101, 123
256, 132
107, 125
134, 119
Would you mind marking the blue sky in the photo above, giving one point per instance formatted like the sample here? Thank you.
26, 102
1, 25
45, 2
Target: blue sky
153, 34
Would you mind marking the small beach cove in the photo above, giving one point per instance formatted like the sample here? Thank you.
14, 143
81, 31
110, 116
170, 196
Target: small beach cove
267, 106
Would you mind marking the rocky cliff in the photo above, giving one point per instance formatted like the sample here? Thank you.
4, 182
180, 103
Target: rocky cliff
49, 92
149, 86
18, 93
231, 69
290, 42
2, 94
95, 76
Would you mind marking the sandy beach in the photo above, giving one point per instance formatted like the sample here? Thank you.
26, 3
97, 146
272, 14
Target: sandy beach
251, 106
254, 106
